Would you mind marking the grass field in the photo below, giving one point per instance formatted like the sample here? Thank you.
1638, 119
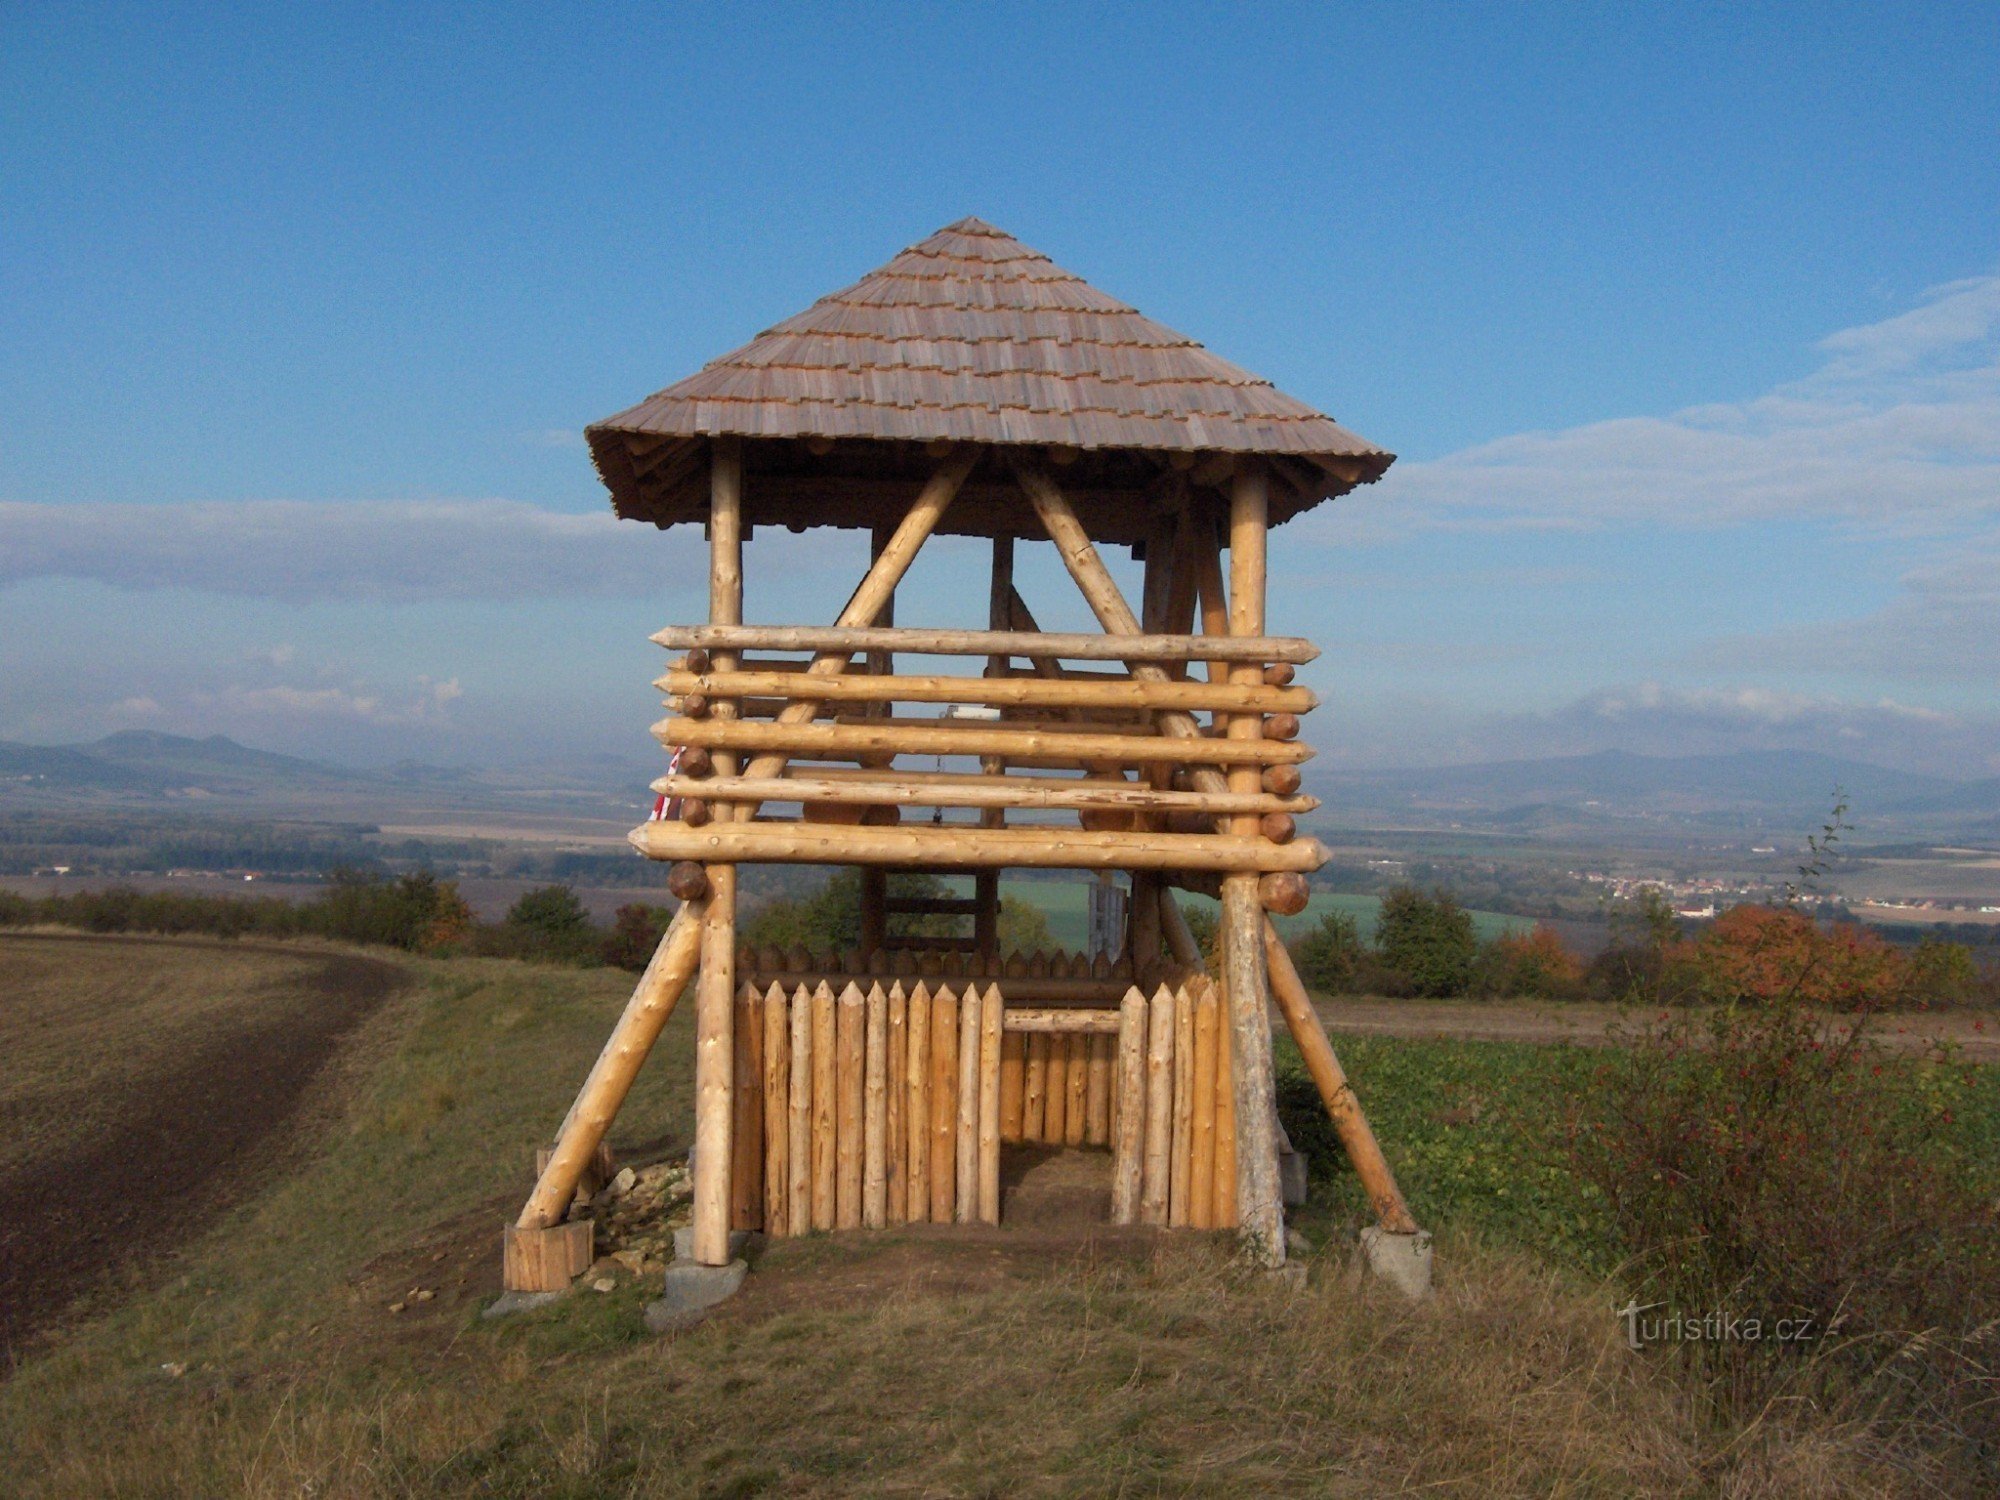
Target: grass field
1066, 905
266, 1359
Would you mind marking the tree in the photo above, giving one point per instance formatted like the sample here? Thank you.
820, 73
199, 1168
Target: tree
1206, 931
1024, 927
635, 934
1531, 963
550, 923
1427, 940
1329, 956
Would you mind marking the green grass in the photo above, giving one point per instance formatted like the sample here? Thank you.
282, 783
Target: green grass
1066, 905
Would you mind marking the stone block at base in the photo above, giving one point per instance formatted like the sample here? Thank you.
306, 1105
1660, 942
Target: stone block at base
546, 1260
1402, 1260
513, 1302
1292, 1178
690, 1292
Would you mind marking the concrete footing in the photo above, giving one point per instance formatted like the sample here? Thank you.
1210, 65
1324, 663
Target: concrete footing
1402, 1260
513, 1302
1292, 1177
690, 1292
741, 1242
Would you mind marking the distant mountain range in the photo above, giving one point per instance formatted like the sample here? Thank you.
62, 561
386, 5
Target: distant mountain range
1796, 788
141, 763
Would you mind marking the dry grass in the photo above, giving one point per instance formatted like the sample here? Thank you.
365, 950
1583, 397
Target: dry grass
909, 1363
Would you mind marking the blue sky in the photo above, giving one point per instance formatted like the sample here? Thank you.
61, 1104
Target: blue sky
1685, 321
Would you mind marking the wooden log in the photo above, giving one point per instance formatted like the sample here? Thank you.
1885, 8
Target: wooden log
1278, 726
896, 1145
1128, 1140
850, 1085
546, 1258
798, 1147
1034, 1084
746, 1202
918, 1114
1158, 1114
1076, 1109
1055, 1097
1143, 925
875, 1114
962, 847
1174, 928
971, 1007
1051, 645
714, 1071
1225, 1205
874, 909
1349, 1122
775, 1016
992, 1031
1011, 692
825, 1107
1201, 1149
687, 881
1013, 1073
610, 1079
1278, 827
1182, 1162
1284, 892
1094, 1021
1099, 1064
944, 1105
1062, 743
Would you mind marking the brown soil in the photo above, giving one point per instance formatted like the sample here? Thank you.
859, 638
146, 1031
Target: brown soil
177, 1146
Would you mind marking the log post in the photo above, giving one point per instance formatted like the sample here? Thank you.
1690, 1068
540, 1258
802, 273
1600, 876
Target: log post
850, 1086
746, 1190
918, 1115
1201, 1150
825, 1106
1127, 1166
944, 1105
777, 1089
895, 1133
1260, 1207
610, 1079
798, 1113
1159, 1109
1349, 1123
970, 1036
1182, 1159
992, 1031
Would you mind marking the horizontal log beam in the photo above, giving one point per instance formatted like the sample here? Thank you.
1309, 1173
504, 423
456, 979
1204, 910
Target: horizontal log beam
1090, 1023
1005, 692
894, 789
1050, 645
936, 738
968, 847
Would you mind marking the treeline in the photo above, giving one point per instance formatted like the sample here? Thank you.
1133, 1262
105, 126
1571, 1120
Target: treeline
1425, 945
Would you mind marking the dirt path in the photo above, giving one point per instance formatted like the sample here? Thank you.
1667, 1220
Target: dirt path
170, 1140
1976, 1033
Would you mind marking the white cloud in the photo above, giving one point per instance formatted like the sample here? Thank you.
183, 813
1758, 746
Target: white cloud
288, 707
392, 550
1898, 430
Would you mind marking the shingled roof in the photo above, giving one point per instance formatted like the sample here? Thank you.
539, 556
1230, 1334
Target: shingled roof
969, 336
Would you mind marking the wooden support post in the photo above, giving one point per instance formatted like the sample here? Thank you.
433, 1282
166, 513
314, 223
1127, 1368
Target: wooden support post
1076, 1108
1182, 1161
944, 1105
918, 1113
1159, 1111
850, 1084
1201, 1149
1349, 1123
970, 1031
798, 1112
1055, 1091
874, 909
1127, 1163
1098, 1069
1174, 928
1013, 1080
610, 1079
714, 1071
775, 1015
746, 1199
992, 1033
546, 1259
895, 1144
1227, 1214
1143, 926
986, 920
825, 1107
1034, 1087
1260, 1209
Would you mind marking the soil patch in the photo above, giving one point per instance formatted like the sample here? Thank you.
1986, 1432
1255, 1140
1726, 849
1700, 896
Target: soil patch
178, 1143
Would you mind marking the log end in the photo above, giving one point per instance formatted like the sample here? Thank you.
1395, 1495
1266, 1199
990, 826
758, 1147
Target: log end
1284, 892
687, 881
546, 1260
1282, 781
1278, 827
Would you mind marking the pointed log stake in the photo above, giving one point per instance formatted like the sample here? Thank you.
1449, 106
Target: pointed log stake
746, 1173
850, 1113
875, 1115
1349, 1123
1128, 1141
798, 1148
944, 1105
825, 1105
610, 1080
917, 1115
992, 1033
777, 1089
896, 1133
1157, 1142
970, 1007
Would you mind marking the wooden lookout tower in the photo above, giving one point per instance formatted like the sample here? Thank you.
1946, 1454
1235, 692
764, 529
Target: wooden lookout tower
972, 387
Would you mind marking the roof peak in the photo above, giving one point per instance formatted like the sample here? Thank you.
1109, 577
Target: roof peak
971, 225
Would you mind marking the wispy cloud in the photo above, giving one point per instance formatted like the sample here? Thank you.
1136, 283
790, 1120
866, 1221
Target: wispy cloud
398, 550
288, 708
1897, 430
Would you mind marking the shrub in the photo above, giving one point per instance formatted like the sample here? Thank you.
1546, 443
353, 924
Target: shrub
1206, 929
416, 911
1535, 964
1427, 940
1760, 954
1941, 972
1764, 1162
635, 934
550, 924
1330, 956
1024, 927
